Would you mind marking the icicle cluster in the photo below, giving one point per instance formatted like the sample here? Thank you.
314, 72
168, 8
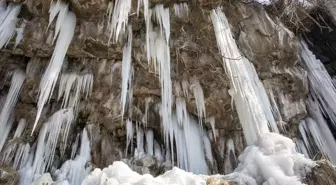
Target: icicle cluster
252, 103
118, 17
199, 98
71, 86
42, 159
271, 160
321, 84
181, 10
6, 121
317, 128
8, 18
65, 27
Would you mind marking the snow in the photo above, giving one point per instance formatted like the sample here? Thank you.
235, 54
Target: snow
120, 173
65, 27
252, 104
272, 160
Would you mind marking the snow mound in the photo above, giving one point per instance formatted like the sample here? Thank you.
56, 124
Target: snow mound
120, 173
272, 160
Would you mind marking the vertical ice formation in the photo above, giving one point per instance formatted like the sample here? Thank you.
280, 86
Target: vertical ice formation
126, 69
74, 171
199, 98
301, 147
252, 103
58, 124
318, 129
65, 27
129, 134
118, 18
212, 120
150, 142
72, 85
74, 147
19, 33
182, 114
271, 160
321, 84
5, 122
140, 141
230, 148
8, 17
120, 173
181, 10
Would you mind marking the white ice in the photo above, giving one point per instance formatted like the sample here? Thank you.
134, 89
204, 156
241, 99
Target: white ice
8, 19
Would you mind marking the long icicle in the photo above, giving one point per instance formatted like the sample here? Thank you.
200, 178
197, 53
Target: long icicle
51, 74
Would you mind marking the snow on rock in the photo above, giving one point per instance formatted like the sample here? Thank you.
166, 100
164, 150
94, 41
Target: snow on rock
120, 173
272, 160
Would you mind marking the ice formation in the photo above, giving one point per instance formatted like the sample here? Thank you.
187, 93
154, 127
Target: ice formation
199, 98
72, 85
252, 103
65, 27
271, 160
12, 97
126, 69
118, 17
8, 17
321, 84
318, 129
181, 10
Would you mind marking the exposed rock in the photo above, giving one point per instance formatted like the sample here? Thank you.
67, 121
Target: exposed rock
324, 173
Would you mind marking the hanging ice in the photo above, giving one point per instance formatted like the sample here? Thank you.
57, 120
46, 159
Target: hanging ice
118, 18
252, 103
66, 23
8, 17
126, 69
271, 160
321, 84
12, 97
199, 98
181, 10
72, 85
129, 134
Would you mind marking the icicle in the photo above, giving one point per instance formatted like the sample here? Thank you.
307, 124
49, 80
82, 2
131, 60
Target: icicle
140, 141
48, 138
21, 156
126, 69
8, 17
300, 147
207, 148
321, 84
74, 147
51, 74
181, 111
79, 83
19, 33
74, 171
149, 142
129, 133
119, 18
5, 120
199, 98
185, 87
20, 128
211, 120
320, 131
231, 149
181, 10
157, 151
252, 104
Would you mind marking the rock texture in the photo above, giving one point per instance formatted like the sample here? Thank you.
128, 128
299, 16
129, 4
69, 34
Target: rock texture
323, 173
262, 38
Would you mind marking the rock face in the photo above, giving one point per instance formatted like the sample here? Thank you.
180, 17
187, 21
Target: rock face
265, 41
323, 173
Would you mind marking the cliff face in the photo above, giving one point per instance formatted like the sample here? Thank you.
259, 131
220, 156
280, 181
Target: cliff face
263, 39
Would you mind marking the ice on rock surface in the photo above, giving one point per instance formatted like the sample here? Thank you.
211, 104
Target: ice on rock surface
272, 160
251, 101
65, 27
6, 122
118, 17
321, 84
8, 17
199, 98
181, 10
